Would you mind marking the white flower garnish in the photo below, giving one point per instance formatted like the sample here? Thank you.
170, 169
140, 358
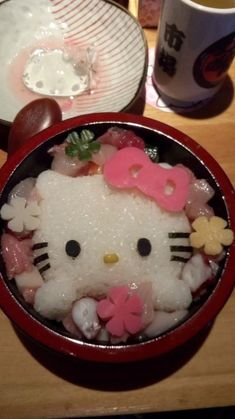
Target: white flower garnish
23, 215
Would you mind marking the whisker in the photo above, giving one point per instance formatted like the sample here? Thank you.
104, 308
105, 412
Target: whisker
181, 249
40, 245
178, 235
40, 258
44, 268
179, 259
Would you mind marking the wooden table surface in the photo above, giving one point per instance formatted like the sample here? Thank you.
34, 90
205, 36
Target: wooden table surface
34, 384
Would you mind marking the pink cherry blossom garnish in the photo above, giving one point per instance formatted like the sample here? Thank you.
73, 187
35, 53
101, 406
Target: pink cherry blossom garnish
122, 311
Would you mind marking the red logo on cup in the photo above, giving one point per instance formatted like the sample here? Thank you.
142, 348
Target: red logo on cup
211, 66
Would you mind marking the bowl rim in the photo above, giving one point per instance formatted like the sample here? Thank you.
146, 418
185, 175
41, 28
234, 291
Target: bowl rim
155, 346
141, 84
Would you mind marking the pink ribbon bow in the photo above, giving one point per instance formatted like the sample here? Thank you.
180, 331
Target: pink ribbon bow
130, 167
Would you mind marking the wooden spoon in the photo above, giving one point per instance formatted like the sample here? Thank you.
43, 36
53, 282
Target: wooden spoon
33, 118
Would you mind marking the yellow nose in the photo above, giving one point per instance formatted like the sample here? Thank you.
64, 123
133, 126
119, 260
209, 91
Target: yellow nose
111, 258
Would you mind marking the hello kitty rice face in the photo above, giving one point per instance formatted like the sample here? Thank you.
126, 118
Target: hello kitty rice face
95, 237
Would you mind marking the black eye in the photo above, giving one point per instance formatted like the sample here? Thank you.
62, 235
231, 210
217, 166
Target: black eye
144, 247
72, 248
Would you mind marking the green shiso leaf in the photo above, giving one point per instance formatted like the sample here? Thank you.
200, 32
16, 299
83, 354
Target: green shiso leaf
94, 147
81, 146
73, 138
87, 136
85, 155
71, 151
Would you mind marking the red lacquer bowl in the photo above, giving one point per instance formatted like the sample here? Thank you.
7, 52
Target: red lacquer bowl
174, 147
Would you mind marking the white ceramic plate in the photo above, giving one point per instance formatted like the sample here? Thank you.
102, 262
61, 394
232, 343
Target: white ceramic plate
38, 39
